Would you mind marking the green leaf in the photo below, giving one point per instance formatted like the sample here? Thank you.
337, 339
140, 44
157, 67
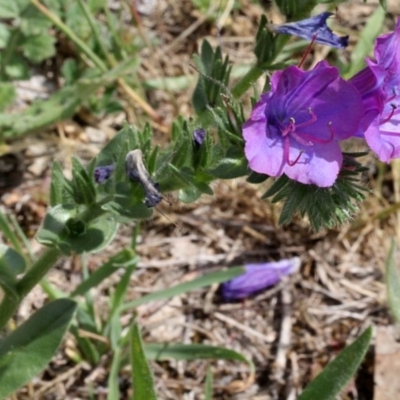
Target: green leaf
11, 264
4, 35
60, 188
113, 377
39, 47
142, 379
197, 283
82, 185
335, 376
63, 228
120, 290
28, 349
61, 105
7, 94
11, 261
208, 386
16, 68
8, 9
189, 194
116, 262
256, 178
180, 351
393, 282
33, 22
230, 168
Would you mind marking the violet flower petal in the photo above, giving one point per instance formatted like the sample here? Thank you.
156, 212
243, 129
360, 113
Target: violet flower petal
387, 50
102, 174
198, 136
313, 28
369, 82
257, 277
295, 128
379, 85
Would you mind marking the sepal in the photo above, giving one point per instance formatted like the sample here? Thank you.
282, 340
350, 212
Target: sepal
324, 207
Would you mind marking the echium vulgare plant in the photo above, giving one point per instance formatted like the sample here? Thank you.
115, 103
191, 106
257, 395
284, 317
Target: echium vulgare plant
292, 137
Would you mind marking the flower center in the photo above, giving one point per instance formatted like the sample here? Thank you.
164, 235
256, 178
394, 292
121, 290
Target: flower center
293, 130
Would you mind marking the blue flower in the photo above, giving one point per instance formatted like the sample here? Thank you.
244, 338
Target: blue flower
101, 174
314, 28
258, 277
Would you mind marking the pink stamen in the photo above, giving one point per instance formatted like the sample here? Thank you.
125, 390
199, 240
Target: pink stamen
307, 51
387, 119
309, 122
290, 128
321, 141
286, 151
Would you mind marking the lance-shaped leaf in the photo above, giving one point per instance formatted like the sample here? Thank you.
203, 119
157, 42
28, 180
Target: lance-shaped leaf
28, 349
335, 376
11, 264
142, 379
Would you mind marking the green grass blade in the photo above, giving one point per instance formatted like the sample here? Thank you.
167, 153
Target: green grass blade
180, 351
5, 227
335, 376
142, 379
208, 392
107, 269
197, 283
29, 348
393, 282
113, 381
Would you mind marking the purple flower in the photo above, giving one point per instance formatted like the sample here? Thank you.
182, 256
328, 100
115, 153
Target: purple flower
101, 174
295, 128
379, 86
258, 277
198, 136
314, 28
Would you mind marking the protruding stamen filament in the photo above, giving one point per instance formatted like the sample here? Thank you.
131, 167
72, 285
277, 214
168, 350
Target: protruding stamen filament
290, 128
286, 153
320, 141
307, 50
310, 121
388, 118
292, 163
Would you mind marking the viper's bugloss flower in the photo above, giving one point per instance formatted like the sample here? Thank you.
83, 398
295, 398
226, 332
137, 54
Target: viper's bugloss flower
198, 136
257, 277
314, 28
295, 128
379, 85
102, 174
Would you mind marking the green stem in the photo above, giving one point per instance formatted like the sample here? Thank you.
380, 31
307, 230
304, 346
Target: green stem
7, 308
71, 35
96, 33
38, 270
247, 81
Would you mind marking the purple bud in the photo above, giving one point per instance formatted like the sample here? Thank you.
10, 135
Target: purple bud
101, 174
314, 28
258, 277
198, 136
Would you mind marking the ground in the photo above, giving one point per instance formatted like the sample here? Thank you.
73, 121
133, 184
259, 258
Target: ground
290, 331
